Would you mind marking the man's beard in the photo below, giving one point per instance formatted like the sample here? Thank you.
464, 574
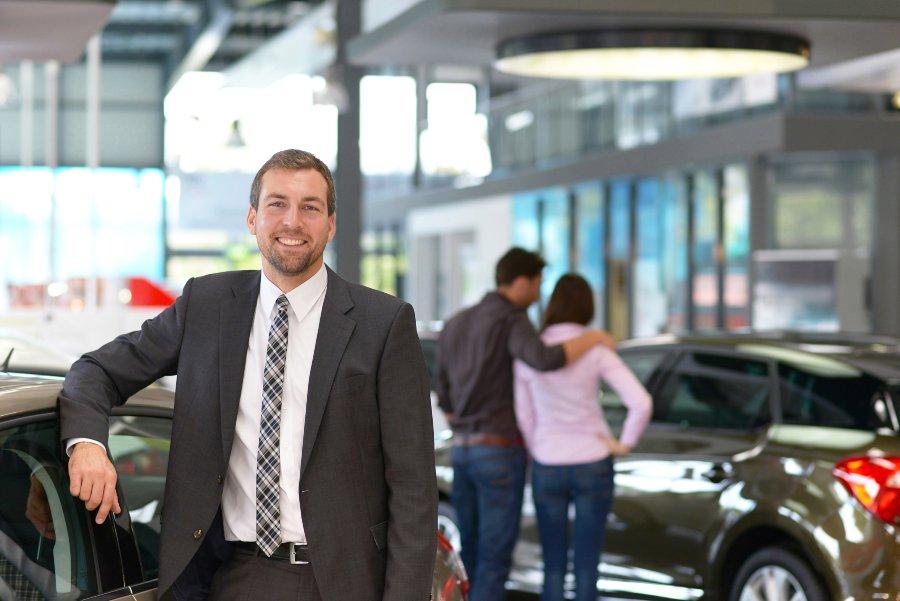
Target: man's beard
295, 265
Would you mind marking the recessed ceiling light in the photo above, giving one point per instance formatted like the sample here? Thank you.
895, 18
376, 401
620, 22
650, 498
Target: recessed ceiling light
652, 54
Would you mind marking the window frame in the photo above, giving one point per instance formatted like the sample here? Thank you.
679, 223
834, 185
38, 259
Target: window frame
100, 537
679, 355
127, 539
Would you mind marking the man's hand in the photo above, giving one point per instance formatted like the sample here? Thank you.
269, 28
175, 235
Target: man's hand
37, 510
605, 338
93, 479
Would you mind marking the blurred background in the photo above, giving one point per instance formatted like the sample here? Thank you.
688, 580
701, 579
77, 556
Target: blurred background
748, 179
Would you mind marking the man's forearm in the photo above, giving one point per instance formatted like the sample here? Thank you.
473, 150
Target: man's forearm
577, 347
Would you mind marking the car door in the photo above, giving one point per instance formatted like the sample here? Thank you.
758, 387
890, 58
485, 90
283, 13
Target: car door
139, 443
50, 547
710, 412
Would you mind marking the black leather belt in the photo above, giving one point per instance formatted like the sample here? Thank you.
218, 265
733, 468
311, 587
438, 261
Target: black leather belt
295, 553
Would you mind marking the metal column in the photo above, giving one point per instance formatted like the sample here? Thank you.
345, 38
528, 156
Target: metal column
348, 173
884, 287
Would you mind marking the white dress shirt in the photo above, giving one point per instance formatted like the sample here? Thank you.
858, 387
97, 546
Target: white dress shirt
239, 494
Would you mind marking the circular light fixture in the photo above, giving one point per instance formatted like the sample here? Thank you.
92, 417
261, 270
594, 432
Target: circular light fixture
652, 54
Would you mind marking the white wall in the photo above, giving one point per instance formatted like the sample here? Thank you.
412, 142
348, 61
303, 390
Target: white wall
453, 249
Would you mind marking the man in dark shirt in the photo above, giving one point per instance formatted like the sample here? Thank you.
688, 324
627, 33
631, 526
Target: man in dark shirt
475, 389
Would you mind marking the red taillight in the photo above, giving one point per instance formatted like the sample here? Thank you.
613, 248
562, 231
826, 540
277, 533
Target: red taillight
874, 482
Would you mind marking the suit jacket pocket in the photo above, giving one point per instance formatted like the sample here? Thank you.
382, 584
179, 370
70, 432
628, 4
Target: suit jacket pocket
379, 533
353, 384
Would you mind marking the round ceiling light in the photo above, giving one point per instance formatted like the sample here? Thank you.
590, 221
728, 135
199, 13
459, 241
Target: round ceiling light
652, 54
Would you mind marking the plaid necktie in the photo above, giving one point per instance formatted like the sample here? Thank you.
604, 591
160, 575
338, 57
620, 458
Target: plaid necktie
268, 460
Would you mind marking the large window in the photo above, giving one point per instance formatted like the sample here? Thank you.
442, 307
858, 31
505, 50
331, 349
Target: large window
76, 223
736, 244
589, 260
25, 210
706, 251
526, 221
660, 269
43, 529
619, 259
814, 276
555, 241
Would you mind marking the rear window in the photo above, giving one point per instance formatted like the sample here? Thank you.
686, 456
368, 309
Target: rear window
848, 399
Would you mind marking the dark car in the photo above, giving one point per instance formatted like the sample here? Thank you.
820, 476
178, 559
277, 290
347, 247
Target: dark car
50, 548
770, 471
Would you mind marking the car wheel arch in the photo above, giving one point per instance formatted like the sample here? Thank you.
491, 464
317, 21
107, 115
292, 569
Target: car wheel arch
755, 532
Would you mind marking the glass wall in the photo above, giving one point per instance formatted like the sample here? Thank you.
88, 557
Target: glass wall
556, 232
660, 267
75, 223
705, 251
736, 243
815, 274
589, 243
638, 241
619, 259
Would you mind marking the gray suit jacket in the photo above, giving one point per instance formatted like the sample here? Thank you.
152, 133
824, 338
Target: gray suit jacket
367, 482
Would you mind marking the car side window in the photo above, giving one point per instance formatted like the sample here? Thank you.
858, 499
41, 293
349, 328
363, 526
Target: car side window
44, 541
832, 398
708, 390
139, 447
643, 363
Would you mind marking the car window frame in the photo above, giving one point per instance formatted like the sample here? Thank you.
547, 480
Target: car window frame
108, 572
133, 572
679, 355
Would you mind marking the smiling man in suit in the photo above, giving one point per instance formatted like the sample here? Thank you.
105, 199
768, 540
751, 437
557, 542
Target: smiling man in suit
302, 461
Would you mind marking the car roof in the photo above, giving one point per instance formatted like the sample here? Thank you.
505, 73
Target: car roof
21, 394
876, 355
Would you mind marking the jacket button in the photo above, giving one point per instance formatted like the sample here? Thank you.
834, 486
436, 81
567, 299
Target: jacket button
219, 478
198, 534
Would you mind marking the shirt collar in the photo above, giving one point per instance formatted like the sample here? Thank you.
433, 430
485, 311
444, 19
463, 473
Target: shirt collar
301, 299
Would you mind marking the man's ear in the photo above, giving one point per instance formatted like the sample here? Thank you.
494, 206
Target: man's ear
251, 220
332, 226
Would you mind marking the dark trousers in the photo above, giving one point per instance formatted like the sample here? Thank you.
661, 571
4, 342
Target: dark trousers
589, 486
488, 483
246, 577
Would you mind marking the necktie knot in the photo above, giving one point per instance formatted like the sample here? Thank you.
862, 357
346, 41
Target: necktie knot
281, 303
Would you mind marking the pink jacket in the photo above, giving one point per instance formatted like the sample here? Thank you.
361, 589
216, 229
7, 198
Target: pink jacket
559, 413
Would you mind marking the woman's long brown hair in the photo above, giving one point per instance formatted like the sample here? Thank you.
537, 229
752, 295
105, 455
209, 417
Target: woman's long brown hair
572, 301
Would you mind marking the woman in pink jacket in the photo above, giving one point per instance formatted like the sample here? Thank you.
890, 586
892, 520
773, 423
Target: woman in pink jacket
572, 446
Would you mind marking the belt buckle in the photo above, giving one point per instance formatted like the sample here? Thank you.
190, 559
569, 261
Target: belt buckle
293, 555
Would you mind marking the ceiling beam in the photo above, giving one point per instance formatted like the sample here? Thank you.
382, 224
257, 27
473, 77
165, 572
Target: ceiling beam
204, 39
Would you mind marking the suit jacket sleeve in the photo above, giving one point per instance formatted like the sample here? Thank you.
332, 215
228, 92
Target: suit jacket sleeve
408, 446
108, 376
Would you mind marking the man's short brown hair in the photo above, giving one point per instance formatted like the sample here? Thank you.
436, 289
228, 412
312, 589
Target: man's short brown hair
293, 160
518, 262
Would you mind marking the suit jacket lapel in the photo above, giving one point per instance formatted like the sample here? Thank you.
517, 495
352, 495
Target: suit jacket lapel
334, 333
235, 322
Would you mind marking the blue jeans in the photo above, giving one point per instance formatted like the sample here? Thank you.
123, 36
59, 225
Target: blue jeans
589, 486
488, 484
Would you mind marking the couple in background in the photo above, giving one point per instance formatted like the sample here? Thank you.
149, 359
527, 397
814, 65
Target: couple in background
554, 411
